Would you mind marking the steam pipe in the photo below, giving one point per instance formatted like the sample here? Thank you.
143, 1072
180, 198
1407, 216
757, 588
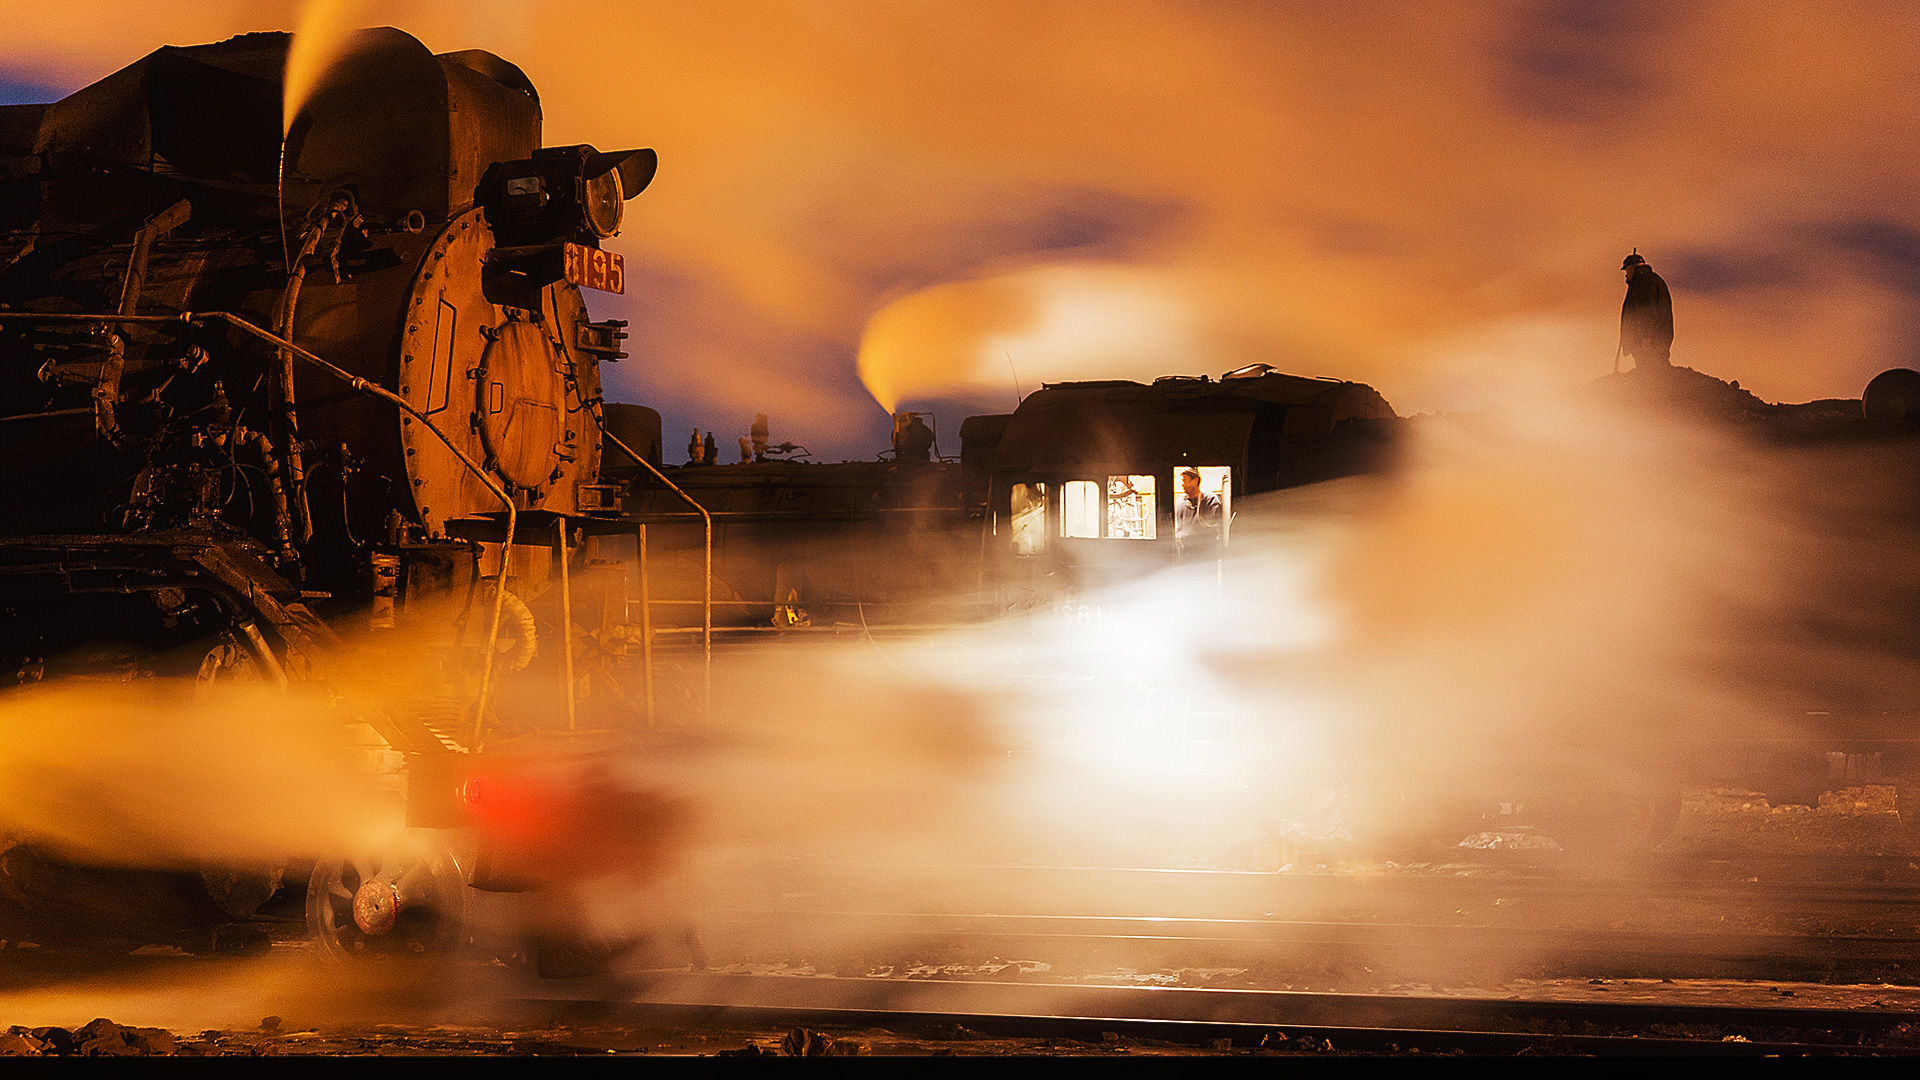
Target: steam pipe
706, 598
566, 613
107, 391
340, 209
282, 522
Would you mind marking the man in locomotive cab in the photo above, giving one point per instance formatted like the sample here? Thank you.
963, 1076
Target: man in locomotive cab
1196, 519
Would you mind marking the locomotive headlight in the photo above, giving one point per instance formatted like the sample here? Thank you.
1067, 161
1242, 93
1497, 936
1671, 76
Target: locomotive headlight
563, 194
602, 203
608, 180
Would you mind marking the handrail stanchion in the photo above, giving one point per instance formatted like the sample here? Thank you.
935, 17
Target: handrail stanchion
706, 596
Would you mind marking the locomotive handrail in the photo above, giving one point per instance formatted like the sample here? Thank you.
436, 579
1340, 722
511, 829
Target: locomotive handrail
69, 316
706, 516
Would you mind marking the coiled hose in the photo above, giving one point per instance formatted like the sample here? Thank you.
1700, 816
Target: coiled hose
514, 613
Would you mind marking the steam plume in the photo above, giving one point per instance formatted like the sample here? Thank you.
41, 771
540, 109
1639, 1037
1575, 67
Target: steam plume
325, 33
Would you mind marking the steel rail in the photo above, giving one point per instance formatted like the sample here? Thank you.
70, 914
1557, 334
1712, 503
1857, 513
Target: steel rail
1094, 890
1749, 947
1107, 1015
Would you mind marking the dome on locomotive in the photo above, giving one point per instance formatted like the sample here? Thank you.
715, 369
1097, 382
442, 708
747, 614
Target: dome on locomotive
1893, 395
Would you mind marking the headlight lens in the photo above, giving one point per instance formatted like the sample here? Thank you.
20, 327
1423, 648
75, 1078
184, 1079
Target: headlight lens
604, 201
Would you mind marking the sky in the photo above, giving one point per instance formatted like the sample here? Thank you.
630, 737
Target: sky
865, 204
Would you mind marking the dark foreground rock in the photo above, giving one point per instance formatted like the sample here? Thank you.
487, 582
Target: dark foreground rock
96, 1038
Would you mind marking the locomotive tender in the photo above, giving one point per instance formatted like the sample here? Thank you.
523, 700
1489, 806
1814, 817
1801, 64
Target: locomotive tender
1073, 489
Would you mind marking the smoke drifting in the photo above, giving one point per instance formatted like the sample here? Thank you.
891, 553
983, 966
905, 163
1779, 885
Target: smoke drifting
1380, 194
1063, 321
1566, 600
1577, 603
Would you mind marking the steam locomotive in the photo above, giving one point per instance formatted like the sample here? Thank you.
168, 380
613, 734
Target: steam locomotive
262, 386
250, 377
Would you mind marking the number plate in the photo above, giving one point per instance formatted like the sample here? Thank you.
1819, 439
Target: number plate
592, 268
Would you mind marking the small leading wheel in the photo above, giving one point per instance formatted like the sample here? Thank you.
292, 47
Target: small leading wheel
407, 901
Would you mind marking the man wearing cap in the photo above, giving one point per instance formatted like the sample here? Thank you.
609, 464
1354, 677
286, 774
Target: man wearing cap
1646, 318
1196, 519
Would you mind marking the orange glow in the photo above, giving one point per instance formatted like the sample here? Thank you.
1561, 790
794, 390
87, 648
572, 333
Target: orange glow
1431, 198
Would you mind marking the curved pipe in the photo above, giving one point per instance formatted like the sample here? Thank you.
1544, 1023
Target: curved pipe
340, 208
529, 643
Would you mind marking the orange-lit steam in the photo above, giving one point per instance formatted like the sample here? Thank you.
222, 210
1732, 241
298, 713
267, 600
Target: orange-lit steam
158, 773
1043, 324
324, 35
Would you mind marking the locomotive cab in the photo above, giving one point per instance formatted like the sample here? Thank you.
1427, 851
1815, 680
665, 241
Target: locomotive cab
1088, 482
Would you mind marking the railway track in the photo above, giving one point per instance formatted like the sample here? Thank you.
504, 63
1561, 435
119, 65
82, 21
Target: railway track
1278, 929
1888, 879
1345, 949
1136, 961
983, 1016
470, 1008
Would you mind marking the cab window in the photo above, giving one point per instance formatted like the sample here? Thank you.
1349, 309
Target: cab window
1130, 507
1029, 519
1215, 481
1080, 508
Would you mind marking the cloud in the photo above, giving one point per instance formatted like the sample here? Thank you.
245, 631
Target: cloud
1569, 60
16, 90
1348, 190
700, 350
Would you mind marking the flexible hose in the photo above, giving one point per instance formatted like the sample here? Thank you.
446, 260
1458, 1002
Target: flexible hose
525, 643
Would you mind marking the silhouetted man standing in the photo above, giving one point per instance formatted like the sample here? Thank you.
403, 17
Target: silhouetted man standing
1646, 318
913, 442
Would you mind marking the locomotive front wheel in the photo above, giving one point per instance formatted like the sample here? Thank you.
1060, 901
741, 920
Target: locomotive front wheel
407, 901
